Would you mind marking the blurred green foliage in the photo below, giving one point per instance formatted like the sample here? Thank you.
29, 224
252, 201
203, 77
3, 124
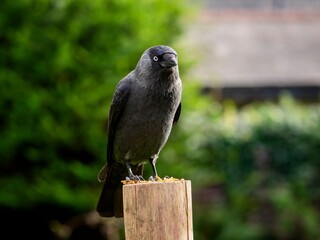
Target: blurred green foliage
255, 170
59, 64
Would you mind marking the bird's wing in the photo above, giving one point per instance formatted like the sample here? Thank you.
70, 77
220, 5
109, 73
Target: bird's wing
177, 114
118, 104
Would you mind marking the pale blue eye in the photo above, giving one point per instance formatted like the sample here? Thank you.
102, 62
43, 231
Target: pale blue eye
155, 58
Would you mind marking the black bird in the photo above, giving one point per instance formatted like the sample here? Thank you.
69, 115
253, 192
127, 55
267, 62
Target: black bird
145, 106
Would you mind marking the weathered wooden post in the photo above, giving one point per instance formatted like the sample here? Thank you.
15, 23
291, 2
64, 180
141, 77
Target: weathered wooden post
158, 210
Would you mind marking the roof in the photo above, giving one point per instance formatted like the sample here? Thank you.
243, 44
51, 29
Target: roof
257, 46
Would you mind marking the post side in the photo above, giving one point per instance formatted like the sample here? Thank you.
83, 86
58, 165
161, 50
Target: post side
158, 210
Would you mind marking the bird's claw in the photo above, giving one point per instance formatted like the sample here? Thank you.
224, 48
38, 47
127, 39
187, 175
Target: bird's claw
154, 178
137, 178
133, 179
141, 178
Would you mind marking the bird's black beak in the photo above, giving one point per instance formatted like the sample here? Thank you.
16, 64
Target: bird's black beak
169, 60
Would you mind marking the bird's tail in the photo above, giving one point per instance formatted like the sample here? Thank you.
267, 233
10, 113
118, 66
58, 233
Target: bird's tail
110, 203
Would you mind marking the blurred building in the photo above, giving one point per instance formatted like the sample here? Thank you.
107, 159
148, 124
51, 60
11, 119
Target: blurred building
259, 47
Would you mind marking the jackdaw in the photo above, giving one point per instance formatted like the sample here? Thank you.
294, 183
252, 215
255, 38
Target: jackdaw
145, 106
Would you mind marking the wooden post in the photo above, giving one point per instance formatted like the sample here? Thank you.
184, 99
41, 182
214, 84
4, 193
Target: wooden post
158, 210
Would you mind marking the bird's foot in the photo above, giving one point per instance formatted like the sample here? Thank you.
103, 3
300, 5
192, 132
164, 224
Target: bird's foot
133, 179
154, 179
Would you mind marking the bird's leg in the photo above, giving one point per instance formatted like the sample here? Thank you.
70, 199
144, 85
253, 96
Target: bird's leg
131, 175
153, 161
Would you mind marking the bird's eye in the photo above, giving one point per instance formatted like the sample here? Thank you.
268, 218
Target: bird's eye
155, 58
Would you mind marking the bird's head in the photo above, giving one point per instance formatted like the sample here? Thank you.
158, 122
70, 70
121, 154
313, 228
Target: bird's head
159, 58
163, 56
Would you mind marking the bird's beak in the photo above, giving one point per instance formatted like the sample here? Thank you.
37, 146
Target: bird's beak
169, 60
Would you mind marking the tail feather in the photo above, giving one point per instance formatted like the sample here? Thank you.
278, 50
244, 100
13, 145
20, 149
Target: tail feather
110, 200
110, 203
103, 173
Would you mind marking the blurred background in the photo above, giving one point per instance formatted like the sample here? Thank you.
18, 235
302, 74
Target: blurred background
248, 137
